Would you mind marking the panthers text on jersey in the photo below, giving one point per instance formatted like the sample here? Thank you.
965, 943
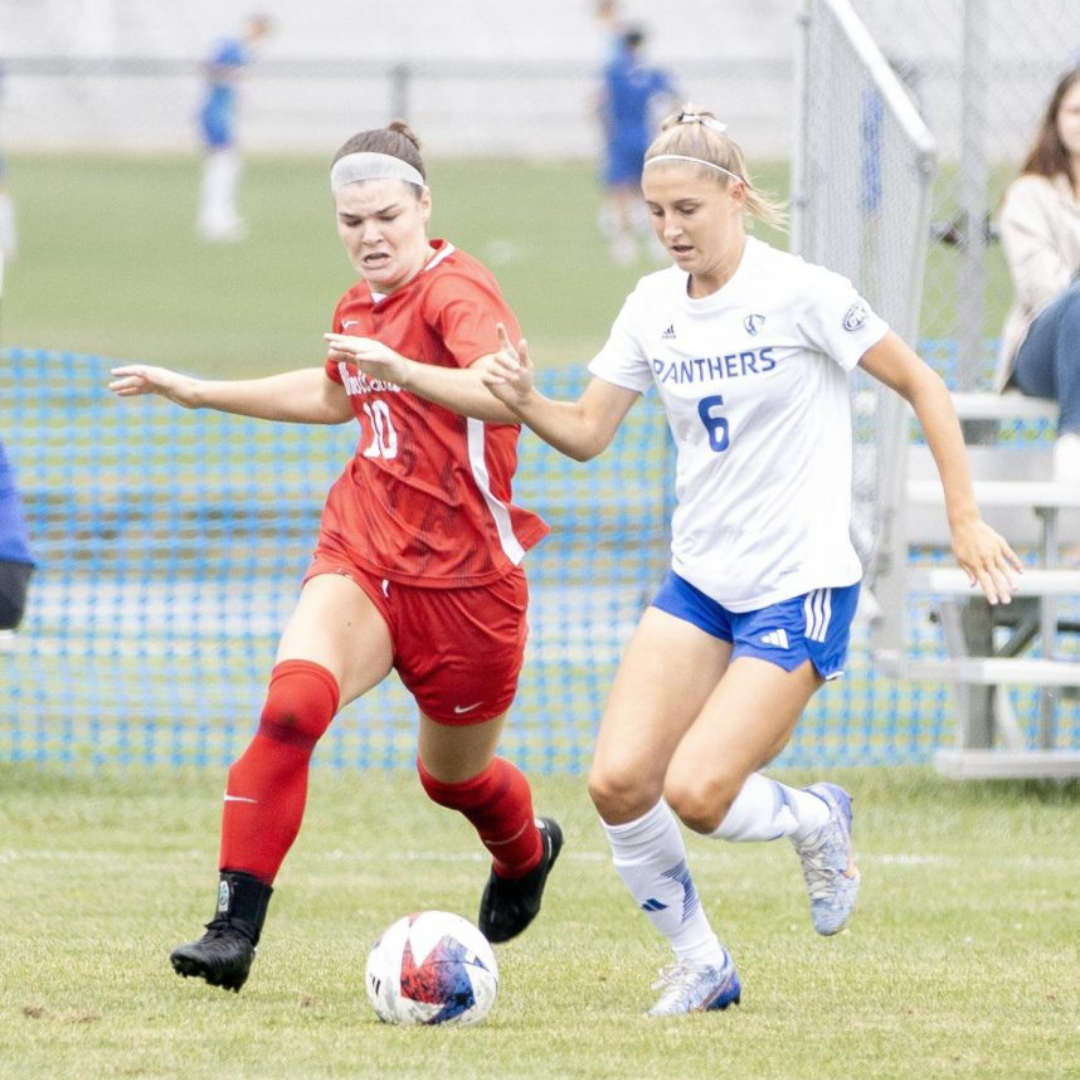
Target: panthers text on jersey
754, 381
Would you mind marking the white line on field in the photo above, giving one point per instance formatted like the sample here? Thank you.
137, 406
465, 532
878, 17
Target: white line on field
11, 855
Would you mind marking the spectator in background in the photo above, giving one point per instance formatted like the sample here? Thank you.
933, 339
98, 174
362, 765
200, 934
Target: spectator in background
631, 93
9, 240
219, 219
16, 562
1040, 232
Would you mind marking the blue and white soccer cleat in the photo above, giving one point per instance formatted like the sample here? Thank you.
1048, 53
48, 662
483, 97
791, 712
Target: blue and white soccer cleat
690, 988
828, 863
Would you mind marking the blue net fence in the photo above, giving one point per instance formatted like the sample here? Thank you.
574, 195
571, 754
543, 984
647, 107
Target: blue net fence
171, 546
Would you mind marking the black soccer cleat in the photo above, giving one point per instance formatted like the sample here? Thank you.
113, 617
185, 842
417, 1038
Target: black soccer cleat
510, 904
222, 956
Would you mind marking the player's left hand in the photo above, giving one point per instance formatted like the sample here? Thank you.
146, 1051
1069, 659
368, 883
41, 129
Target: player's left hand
370, 356
988, 560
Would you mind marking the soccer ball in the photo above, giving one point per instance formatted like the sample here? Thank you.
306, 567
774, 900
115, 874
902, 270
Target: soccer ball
432, 968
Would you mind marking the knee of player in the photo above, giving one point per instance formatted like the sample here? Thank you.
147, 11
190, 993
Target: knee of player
699, 802
300, 702
620, 794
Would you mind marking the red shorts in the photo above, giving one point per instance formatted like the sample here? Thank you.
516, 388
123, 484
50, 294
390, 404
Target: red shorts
458, 651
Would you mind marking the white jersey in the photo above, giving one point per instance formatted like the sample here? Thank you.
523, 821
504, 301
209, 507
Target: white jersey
754, 381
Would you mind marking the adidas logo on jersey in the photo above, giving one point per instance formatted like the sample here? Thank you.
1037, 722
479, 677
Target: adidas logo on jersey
777, 638
668, 334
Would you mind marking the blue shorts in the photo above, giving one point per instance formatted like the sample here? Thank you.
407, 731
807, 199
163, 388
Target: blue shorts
815, 626
623, 163
216, 124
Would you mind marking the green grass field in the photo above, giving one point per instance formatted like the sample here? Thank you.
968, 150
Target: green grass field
961, 961
110, 264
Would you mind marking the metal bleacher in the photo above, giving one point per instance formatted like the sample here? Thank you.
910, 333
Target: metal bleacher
989, 650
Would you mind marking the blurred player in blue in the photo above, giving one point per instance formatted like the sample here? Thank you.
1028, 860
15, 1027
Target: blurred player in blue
750, 350
16, 562
219, 219
630, 96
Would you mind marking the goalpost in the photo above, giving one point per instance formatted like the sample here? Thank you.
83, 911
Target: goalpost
863, 169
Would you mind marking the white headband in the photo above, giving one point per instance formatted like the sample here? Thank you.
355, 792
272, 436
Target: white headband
353, 168
705, 121
696, 161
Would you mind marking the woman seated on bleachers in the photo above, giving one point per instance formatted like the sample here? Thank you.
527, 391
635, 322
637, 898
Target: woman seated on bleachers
1040, 232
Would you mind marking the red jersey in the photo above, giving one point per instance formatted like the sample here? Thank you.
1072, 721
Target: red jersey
425, 499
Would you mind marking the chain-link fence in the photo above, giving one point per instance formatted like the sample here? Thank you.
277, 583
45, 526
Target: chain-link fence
979, 75
890, 99
862, 172
981, 72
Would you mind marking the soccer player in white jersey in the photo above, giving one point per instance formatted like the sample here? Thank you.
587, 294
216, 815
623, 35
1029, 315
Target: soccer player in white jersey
750, 349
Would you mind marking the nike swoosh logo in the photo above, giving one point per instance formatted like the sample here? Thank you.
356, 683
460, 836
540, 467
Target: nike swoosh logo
459, 709
239, 798
351, 322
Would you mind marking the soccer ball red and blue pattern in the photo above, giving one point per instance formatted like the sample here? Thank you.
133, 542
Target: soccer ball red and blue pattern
432, 968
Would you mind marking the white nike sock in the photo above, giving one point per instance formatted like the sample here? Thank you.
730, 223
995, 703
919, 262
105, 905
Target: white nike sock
650, 857
767, 810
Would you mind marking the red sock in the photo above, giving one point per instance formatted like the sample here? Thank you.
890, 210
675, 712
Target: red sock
267, 788
498, 803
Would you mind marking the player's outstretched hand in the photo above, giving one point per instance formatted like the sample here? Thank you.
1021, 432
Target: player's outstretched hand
134, 379
508, 373
988, 560
370, 356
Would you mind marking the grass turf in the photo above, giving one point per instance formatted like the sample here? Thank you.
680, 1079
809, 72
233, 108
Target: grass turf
110, 264
961, 961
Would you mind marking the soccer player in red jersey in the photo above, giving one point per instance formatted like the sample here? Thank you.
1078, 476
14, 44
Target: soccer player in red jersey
417, 566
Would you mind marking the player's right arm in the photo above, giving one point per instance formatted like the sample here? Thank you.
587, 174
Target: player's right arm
306, 396
580, 429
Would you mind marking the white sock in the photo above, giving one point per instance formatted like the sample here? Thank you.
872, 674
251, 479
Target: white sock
9, 235
650, 856
767, 810
218, 217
